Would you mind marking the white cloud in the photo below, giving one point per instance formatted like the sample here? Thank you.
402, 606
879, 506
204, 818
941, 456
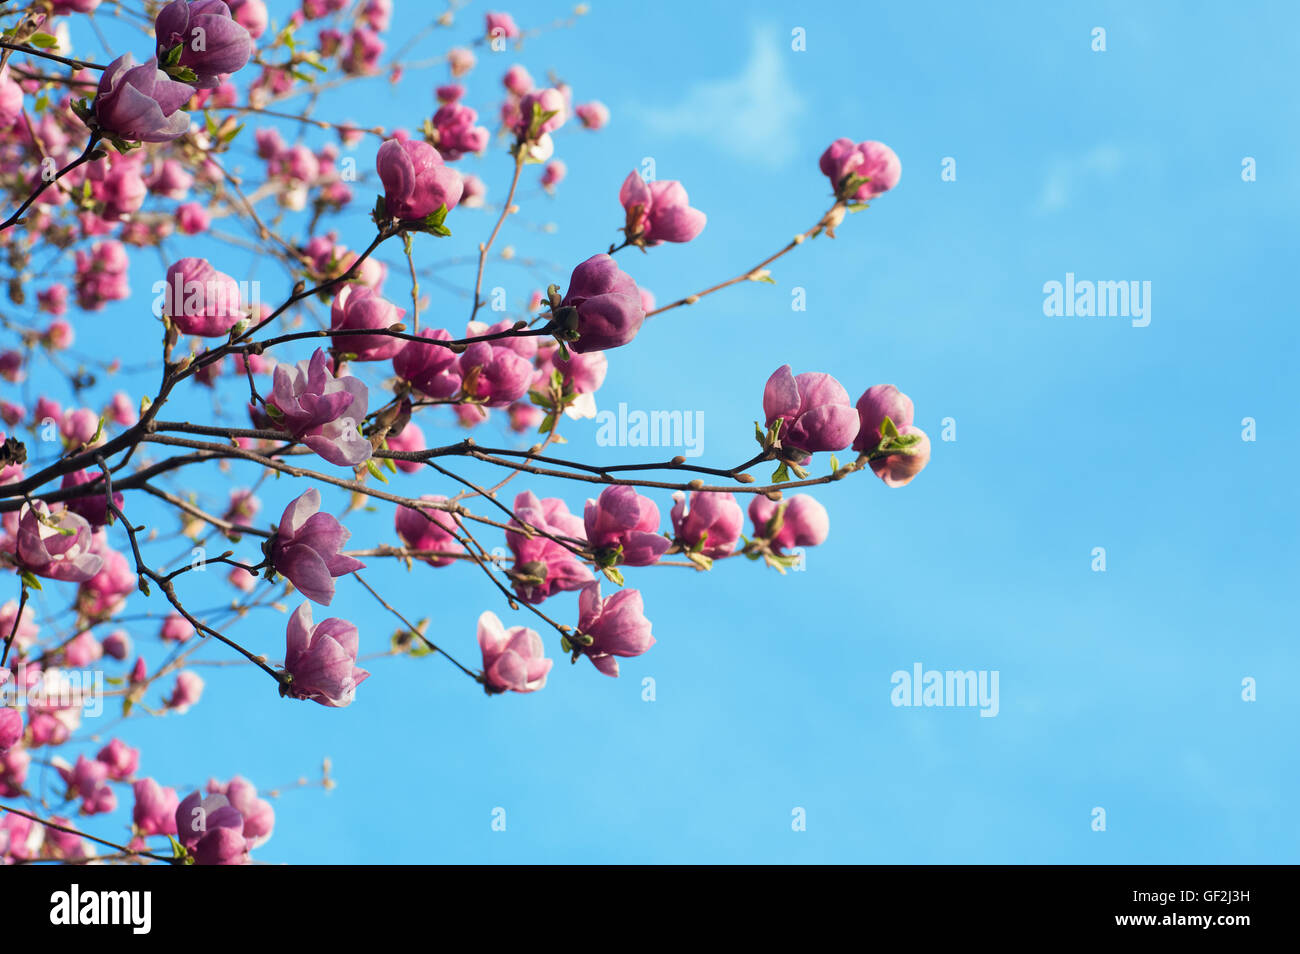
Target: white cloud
750, 115
1069, 177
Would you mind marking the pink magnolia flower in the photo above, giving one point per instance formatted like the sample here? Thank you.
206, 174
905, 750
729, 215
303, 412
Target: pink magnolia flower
877, 403
120, 187
170, 180
815, 410
187, 691
514, 659
117, 645
82, 650
594, 115
357, 307
13, 770
602, 305
533, 121
200, 300
456, 133
323, 411
11, 100
409, 438
416, 180
251, 15
432, 369
94, 506
377, 13
192, 218
225, 47
258, 814
713, 523
542, 565
155, 808
54, 299
11, 729
494, 374
305, 548
625, 526
322, 660
242, 580
362, 51
176, 629
798, 522
658, 211
56, 544
121, 759
460, 60
105, 592
517, 80
428, 529
553, 174
140, 103
616, 626
212, 830
873, 161
86, 780
501, 25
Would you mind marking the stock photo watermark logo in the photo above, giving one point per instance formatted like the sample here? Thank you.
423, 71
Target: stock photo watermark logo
75, 907
55, 689
218, 296
1101, 299
946, 688
624, 428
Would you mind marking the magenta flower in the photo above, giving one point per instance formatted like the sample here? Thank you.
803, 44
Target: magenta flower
56, 544
432, 369
862, 171
200, 300
658, 211
212, 830
541, 112
416, 180
11, 729
614, 627
594, 115
542, 565
305, 548
121, 759
501, 24
140, 103
513, 659
602, 306
798, 522
428, 529
456, 133
493, 374
815, 409
713, 523
322, 660
357, 307
323, 411
212, 44
911, 445
155, 808
187, 691
87, 780
258, 814
625, 526
94, 506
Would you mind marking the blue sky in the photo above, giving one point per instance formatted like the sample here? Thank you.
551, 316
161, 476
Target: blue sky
1119, 689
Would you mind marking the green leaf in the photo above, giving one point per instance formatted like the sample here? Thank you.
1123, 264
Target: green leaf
781, 474
835, 463
44, 41
887, 428
613, 574
29, 579
565, 644
174, 55
375, 471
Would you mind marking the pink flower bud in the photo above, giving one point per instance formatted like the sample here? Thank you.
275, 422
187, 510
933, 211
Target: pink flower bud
802, 521
416, 181
186, 692
815, 411
713, 523
322, 659
356, 308
201, 300
155, 808
429, 530
594, 115
622, 518
514, 659
121, 759
658, 211
607, 305
873, 161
